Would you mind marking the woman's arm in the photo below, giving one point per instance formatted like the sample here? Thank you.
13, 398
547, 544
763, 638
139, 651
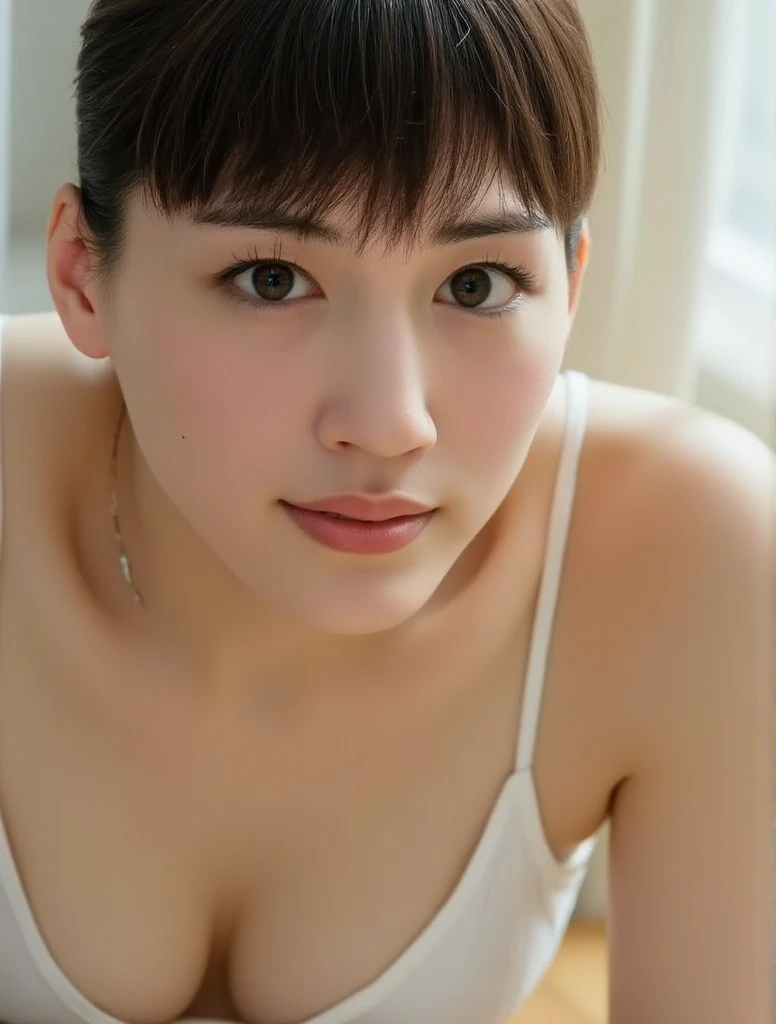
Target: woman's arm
692, 875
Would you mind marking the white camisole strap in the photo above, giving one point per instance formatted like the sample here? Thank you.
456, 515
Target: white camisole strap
560, 520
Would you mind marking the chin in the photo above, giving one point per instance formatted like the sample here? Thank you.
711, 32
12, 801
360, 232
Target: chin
367, 617
359, 605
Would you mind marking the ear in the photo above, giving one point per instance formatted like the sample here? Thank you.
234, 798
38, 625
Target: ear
69, 269
577, 275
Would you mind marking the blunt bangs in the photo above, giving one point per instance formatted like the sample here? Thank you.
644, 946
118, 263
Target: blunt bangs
400, 111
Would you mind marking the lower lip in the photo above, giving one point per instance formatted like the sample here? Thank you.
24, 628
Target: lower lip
355, 536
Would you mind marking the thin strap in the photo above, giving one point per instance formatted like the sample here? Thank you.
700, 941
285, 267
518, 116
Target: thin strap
560, 519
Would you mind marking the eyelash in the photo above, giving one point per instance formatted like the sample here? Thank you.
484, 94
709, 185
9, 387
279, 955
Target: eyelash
521, 276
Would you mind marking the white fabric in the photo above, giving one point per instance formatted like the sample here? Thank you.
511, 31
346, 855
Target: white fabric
484, 952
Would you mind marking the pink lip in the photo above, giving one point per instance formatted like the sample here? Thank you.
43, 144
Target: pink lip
366, 508
356, 536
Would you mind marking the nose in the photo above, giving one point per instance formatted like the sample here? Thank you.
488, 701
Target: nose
377, 396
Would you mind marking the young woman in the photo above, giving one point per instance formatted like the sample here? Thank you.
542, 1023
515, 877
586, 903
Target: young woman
335, 619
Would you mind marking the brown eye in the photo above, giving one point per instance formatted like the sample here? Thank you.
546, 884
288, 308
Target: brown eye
273, 281
489, 288
471, 287
266, 283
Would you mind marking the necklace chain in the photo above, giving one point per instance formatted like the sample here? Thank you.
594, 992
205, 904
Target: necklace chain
274, 697
126, 567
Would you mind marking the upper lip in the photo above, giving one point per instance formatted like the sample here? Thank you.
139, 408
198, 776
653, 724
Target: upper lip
370, 509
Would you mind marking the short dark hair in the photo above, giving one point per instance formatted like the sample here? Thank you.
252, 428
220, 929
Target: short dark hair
396, 107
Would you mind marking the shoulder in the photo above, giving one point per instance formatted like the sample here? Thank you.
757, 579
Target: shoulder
678, 509
55, 405
45, 379
675, 478
677, 491
38, 353
674, 544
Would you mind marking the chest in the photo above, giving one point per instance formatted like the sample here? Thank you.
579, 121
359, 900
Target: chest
182, 863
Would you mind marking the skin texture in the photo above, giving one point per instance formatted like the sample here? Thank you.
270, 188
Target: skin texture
240, 866
374, 379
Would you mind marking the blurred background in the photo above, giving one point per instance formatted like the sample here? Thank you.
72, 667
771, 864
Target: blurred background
679, 297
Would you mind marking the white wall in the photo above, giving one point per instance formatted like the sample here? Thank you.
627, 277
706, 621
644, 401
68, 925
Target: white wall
5, 133
41, 137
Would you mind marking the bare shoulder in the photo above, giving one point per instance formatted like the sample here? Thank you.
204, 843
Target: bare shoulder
47, 383
674, 509
673, 498
674, 534
56, 408
41, 360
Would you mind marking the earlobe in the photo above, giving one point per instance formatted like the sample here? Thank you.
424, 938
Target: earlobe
68, 269
577, 276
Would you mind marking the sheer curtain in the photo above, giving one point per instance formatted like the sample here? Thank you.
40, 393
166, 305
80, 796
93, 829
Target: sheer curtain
734, 330
679, 295
678, 77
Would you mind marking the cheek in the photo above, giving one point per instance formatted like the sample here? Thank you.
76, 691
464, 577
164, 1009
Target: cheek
500, 396
212, 407
243, 419
489, 432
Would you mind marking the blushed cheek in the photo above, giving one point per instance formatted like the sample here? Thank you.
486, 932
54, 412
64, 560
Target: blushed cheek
247, 423
499, 404
495, 431
244, 416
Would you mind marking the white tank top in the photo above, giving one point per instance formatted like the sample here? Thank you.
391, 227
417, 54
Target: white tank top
481, 956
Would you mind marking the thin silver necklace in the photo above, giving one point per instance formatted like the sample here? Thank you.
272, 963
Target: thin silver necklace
274, 697
126, 567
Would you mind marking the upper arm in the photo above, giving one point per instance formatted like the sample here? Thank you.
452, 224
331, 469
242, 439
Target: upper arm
691, 875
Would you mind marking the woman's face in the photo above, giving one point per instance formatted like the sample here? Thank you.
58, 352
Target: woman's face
259, 368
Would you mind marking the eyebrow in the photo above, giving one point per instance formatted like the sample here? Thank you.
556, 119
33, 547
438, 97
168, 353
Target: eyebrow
510, 222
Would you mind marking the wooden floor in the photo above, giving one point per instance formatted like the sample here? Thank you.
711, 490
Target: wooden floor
574, 990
